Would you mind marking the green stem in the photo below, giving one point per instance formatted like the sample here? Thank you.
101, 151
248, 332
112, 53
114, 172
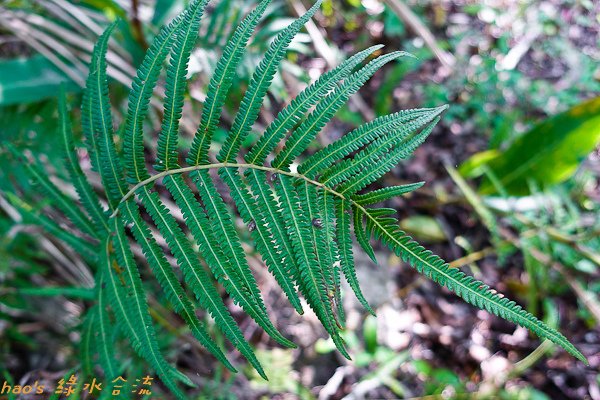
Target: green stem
183, 170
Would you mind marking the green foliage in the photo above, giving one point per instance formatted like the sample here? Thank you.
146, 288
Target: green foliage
548, 154
300, 221
28, 80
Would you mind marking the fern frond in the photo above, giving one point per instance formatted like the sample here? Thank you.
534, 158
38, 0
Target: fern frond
220, 83
273, 220
345, 244
169, 283
262, 236
129, 301
471, 290
407, 138
325, 110
308, 196
110, 169
88, 198
238, 271
381, 195
373, 169
59, 199
142, 88
259, 84
105, 331
358, 138
167, 155
291, 114
300, 222
128, 294
361, 236
298, 227
86, 342
194, 274
326, 203
234, 274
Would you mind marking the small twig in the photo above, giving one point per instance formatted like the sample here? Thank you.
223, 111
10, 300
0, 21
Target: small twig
405, 14
137, 24
470, 258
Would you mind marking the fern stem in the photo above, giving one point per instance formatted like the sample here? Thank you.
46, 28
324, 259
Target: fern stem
192, 168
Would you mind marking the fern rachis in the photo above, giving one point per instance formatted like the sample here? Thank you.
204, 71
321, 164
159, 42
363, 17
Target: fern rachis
292, 216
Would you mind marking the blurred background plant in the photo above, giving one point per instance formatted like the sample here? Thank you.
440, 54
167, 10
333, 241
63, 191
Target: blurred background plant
512, 193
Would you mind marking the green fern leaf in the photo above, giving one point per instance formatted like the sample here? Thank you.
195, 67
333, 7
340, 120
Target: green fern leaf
194, 274
273, 219
298, 221
380, 195
234, 274
471, 290
88, 198
361, 236
374, 168
175, 88
169, 283
239, 271
298, 230
129, 301
262, 236
220, 84
345, 245
87, 344
326, 203
261, 80
290, 115
407, 138
142, 88
301, 137
106, 332
358, 138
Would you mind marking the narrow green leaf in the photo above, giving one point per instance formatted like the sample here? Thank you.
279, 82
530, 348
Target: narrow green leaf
142, 88
361, 236
194, 274
167, 156
129, 301
279, 267
269, 210
87, 346
326, 109
407, 138
169, 283
87, 196
259, 84
110, 168
238, 271
326, 203
105, 331
358, 138
381, 195
472, 291
373, 169
291, 114
298, 226
220, 83
345, 245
